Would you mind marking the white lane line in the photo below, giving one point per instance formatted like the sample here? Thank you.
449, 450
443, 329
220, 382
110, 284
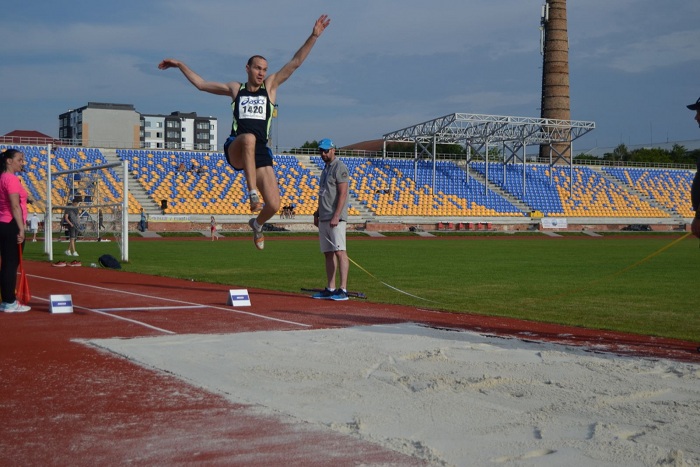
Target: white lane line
140, 323
151, 308
125, 292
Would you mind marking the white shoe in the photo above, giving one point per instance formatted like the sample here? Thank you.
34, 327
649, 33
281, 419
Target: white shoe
15, 307
258, 236
75, 253
68, 253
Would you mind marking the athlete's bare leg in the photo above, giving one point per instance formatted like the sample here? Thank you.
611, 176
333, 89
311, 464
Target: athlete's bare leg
241, 153
269, 188
331, 267
343, 267
267, 181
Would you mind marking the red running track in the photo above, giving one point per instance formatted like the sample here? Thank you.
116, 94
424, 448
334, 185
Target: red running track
65, 403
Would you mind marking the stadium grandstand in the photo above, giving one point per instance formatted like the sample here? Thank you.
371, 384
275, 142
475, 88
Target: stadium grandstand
107, 187
382, 189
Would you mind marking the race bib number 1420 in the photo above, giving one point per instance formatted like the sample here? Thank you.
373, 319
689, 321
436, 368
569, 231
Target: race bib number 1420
252, 108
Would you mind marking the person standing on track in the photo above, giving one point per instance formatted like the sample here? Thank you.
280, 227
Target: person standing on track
253, 103
695, 188
142, 221
331, 219
70, 218
34, 225
212, 227
13, 218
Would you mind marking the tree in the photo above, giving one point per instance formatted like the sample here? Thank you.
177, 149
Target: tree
694, 156
619, 154
310, 145
680, 155
656, 155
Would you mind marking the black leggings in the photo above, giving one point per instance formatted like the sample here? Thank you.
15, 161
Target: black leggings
9, 260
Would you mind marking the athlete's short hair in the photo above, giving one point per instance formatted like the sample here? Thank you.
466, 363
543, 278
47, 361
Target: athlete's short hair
250, 60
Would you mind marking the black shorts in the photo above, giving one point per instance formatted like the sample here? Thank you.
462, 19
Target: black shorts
263, 154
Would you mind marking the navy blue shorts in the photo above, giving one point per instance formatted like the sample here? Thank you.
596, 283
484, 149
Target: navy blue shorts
263, 154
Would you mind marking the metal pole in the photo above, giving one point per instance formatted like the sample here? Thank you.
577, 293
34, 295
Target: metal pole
415, 162
434, 163
505, 175
486, 185
468, 151
551, 166
96, 196
524, 168
571, 167
48, 224
125, 211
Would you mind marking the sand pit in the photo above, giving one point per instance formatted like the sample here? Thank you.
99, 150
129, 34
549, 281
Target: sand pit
449, 397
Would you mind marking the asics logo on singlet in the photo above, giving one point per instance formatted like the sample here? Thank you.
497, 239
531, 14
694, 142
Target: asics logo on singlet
251, 100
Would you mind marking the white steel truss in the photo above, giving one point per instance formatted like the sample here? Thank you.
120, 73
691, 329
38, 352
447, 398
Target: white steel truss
477, 128
477, 132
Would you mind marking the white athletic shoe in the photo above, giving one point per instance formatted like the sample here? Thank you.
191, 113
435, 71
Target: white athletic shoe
75, 253
15, 307
258, 236
68, 253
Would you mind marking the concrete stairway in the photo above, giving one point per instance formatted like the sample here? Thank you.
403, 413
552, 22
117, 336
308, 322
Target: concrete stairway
365, 213
150, 206
638, 194
501, 192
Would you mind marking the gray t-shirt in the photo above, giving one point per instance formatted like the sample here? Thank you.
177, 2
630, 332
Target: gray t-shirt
335, 172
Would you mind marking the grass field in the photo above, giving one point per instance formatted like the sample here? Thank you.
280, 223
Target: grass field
644, 284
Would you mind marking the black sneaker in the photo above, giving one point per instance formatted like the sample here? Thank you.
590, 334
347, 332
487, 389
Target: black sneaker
325, 294
339, 294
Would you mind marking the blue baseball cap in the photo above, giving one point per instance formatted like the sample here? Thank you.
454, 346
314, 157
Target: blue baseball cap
325, 144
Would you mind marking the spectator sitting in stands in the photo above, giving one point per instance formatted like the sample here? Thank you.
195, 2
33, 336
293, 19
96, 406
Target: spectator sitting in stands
285, 212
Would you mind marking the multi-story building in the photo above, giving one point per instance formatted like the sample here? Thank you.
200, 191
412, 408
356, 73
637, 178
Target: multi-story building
100, 124
121, 126
179, 130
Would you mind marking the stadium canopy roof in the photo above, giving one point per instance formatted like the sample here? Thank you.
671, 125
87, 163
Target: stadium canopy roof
463, 127
477, 132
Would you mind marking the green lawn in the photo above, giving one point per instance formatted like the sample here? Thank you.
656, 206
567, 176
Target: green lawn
640, 285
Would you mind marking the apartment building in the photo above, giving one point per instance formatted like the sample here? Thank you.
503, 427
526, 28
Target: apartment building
120, 126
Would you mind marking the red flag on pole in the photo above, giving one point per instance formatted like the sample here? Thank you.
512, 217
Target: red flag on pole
23, 294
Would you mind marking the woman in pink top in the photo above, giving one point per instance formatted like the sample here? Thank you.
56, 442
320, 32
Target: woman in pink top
13, 218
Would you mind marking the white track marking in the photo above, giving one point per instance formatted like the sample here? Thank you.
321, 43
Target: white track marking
171, 300
165, 331
151, 308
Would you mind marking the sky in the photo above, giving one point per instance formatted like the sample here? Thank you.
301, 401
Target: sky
381, 65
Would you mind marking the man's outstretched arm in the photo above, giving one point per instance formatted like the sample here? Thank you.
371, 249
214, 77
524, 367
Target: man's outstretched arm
283, 75
222, 89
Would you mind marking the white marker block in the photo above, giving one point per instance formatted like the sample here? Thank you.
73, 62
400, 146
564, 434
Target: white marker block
61, 304
238, 297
